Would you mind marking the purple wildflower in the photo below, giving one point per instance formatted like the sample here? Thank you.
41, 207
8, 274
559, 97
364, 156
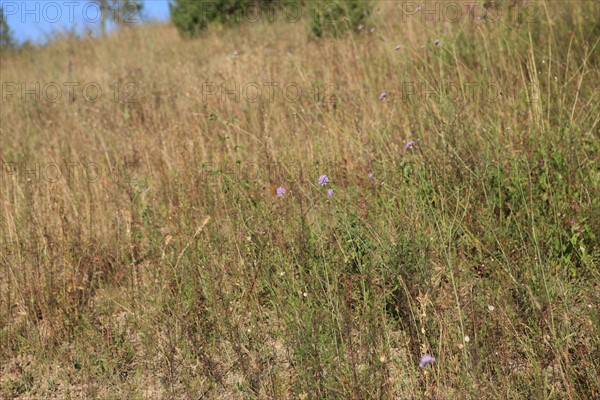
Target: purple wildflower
398, 47
410, 144
383, 95
280, 191
372, 30
437, 42
426, 359
323, 179
371, 175
330, 193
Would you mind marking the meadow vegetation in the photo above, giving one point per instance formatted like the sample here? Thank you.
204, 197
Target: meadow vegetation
145, 252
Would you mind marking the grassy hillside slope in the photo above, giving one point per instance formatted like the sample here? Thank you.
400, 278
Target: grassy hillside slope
145, 253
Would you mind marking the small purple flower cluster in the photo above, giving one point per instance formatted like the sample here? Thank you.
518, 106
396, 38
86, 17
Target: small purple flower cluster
280, 191
425, 360
323, 181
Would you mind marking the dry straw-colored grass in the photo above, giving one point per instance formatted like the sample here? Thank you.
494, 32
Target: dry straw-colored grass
116, 285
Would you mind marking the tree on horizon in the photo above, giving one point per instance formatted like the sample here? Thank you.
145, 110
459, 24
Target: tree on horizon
7, 39
121, 12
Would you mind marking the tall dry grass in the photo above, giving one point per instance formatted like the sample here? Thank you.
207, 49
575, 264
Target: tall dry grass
477, 245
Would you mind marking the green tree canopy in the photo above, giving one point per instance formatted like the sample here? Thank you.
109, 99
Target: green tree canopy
121, 12
190, 17
6, 36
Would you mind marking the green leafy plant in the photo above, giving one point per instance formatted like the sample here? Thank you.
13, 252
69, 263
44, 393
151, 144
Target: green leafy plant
335, 18
191, 17
6, 36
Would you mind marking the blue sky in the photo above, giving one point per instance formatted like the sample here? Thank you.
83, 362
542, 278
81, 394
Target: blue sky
35, 20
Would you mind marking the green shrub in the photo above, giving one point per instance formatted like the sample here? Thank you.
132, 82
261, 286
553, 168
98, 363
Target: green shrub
6, 35
325, 17
336, 17
193, 16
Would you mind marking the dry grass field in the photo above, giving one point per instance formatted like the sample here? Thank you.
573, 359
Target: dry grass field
146, 254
